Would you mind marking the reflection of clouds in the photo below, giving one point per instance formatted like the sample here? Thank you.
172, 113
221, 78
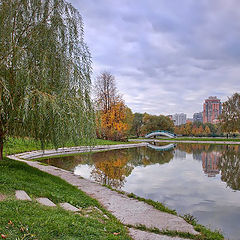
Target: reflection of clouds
182, 185
227, 219
83, 171
184, 42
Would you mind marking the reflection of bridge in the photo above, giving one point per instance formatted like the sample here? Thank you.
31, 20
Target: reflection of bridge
162, 148
160, 133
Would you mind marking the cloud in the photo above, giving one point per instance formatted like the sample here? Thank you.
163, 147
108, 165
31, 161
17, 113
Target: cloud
167, 56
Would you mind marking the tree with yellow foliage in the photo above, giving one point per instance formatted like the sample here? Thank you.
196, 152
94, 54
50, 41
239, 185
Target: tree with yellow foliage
114, 117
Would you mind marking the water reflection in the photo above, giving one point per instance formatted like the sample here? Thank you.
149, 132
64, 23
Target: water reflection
203, 180
229, 165
112, 167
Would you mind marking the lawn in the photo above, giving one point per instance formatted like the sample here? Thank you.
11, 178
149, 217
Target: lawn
30, 220
17, 145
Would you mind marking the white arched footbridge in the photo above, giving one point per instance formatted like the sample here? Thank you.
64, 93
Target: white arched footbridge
160, 133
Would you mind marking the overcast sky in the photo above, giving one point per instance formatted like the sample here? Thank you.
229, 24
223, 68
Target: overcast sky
167, 55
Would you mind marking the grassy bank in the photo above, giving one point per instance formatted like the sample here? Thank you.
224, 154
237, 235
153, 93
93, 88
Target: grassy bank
30, 220
18, 145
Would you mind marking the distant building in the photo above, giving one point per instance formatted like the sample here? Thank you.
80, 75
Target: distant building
212, 108
198, 117
179, 119
210, 162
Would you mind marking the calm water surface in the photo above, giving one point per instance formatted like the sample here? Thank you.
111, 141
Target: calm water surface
203, 180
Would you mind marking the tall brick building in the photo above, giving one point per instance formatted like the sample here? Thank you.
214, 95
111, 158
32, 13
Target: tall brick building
212, 108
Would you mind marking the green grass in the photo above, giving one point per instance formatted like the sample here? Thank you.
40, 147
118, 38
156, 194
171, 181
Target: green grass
39, 222
29, 220
18, 145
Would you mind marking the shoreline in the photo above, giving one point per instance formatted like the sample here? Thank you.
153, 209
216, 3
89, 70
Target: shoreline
186, 141
136, 215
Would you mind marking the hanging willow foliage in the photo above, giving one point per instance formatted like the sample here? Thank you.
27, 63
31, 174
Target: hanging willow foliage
45, 69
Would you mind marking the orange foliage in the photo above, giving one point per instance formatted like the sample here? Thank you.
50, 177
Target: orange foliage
113, 122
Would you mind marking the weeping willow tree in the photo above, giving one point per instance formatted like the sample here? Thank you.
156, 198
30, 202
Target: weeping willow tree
45, 69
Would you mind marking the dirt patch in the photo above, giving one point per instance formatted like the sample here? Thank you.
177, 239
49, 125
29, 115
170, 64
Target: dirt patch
2, 197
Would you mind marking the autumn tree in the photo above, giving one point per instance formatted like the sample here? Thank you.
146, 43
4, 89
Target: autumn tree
230, 117
113, 116
153, 123
106, 93
207, 130
45, 72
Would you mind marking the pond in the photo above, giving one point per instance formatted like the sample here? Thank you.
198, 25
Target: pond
202, 180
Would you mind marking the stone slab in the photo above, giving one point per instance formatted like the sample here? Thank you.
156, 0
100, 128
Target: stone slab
2, 197
69, 207
141, 235
46, 202
22, 195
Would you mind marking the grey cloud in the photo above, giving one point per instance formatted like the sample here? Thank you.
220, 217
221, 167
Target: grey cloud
167, 56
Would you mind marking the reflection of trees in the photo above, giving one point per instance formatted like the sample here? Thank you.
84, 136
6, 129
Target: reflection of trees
209, 154
198, 148
112, 167
230, 166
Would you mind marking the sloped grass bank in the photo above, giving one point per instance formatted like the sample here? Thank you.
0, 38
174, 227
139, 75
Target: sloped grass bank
30, 220
19, 145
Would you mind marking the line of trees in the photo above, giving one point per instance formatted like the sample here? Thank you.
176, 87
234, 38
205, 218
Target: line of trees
197, 129
116, 121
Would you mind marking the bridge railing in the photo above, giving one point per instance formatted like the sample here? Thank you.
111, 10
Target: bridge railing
163, 131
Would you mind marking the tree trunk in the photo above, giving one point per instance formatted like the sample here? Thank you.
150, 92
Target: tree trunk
1, 148
1, 142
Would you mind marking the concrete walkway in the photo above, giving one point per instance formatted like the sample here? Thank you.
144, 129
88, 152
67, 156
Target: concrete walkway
128, 211
183, 141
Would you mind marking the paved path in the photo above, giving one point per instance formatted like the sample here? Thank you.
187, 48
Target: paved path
76, 150
129, 211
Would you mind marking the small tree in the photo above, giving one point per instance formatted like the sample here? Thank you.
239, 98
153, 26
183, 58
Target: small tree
106, 94
207, 130
230, 117
113, 116
45, 71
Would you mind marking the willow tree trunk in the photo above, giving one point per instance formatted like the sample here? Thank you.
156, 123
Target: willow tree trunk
1, 147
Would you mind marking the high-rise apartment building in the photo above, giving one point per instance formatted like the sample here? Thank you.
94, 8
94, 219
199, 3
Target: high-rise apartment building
198, 117
179, 119
211, 110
